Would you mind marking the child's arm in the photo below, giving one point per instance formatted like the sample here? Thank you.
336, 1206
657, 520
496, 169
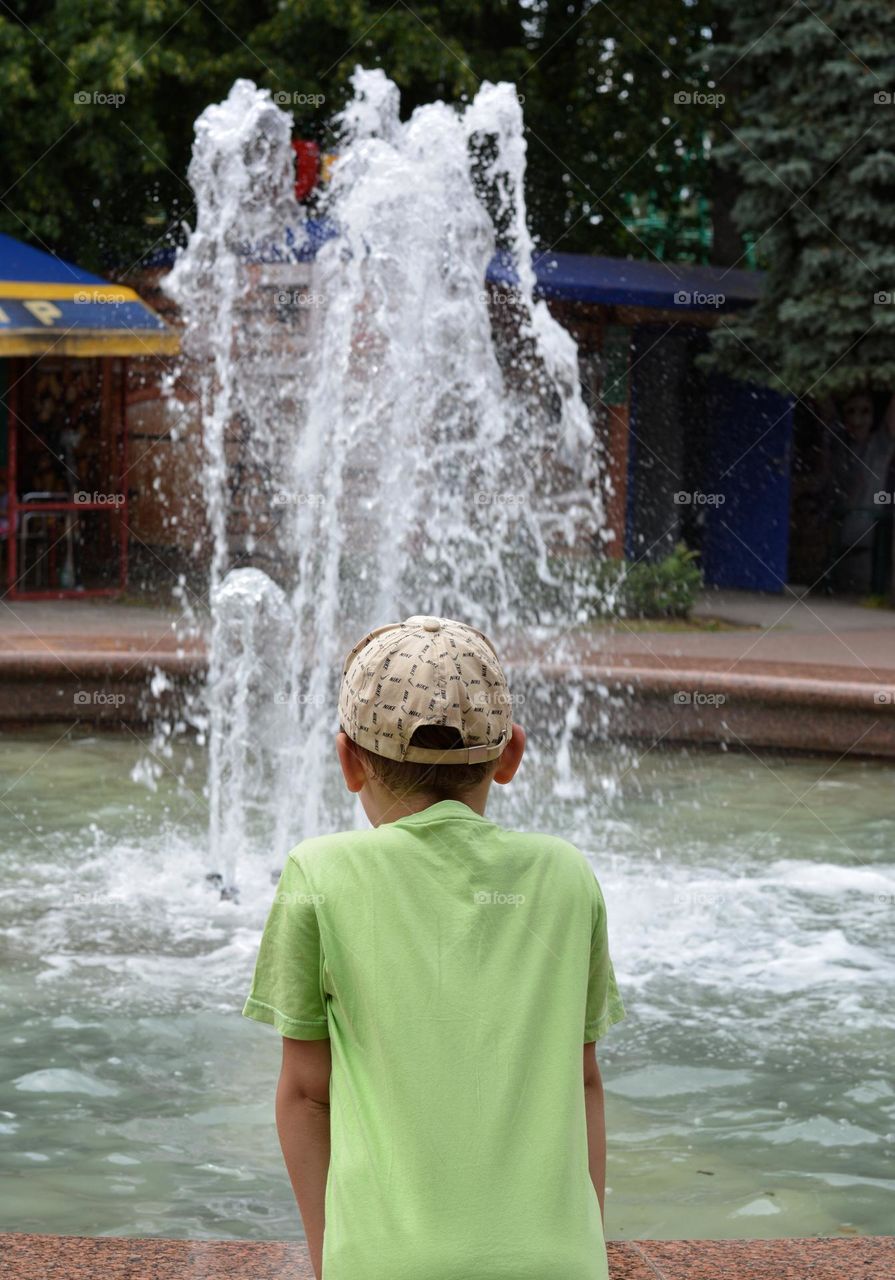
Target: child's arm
596, 1123
303, 1126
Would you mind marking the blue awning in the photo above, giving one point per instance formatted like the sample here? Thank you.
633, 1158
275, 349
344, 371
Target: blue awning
567, 277
672, 286
48, 304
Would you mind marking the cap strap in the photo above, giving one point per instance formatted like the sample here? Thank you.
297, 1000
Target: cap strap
456, 755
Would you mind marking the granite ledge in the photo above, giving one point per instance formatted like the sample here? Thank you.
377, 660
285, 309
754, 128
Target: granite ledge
48, 1257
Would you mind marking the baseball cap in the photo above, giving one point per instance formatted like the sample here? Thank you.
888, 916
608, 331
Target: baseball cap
425, 671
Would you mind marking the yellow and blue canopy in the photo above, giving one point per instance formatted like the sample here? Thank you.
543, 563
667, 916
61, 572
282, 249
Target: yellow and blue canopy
47, 304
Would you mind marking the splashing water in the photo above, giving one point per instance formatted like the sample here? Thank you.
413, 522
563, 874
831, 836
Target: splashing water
384, 435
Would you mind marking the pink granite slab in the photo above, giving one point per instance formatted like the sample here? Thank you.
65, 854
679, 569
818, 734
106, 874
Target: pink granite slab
32, 1257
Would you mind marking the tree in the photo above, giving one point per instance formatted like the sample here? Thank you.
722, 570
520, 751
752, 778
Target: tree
812, 145
103, 179
610, 140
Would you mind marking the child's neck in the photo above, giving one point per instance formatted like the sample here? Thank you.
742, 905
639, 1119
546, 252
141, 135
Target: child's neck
382, 805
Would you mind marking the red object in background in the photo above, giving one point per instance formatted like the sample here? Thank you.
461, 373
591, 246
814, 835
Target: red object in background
307, 167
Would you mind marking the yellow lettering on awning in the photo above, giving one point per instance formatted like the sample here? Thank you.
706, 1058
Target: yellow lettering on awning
45, 312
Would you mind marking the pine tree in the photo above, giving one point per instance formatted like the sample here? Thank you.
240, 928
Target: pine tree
812, 141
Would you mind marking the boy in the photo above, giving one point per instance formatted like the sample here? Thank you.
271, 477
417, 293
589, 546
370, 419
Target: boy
434, 980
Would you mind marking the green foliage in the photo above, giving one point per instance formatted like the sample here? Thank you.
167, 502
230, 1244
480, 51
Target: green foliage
812, 145
665, 589
103, 184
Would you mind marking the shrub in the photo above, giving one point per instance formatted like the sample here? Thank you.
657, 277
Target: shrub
664, 589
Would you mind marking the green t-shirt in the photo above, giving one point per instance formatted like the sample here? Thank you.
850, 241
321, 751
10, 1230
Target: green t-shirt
458, 968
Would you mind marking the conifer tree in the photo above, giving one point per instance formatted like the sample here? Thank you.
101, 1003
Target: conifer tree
811, 139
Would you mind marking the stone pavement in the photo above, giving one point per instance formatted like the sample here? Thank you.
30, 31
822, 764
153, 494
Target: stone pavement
771, 630
801, 674
66, 628
32, 1257
784, 633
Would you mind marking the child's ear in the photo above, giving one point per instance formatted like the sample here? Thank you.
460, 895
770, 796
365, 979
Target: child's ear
511, 757
353, 770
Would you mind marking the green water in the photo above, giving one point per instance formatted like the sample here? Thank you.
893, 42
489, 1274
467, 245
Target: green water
750, 1091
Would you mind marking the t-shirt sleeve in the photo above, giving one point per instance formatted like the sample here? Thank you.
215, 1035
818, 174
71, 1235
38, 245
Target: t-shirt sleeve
604, 1004
287, 988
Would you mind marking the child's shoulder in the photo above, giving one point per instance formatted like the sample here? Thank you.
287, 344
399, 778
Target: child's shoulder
315, 850
559, 850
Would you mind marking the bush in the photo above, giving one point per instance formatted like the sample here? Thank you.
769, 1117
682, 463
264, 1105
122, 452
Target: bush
666, 589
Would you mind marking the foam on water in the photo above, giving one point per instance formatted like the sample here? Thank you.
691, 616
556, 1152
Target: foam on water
759, 994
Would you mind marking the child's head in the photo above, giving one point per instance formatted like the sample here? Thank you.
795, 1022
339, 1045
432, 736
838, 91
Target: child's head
425, 716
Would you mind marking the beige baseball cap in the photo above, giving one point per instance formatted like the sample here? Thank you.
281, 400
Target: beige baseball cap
425, 671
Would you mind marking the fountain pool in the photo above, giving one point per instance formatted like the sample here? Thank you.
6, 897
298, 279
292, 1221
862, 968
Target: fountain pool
749, 1092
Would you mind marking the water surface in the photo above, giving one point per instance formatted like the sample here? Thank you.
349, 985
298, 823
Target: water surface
749, 1091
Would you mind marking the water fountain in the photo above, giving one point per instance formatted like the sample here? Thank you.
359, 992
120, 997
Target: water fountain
356, 403
415, 451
